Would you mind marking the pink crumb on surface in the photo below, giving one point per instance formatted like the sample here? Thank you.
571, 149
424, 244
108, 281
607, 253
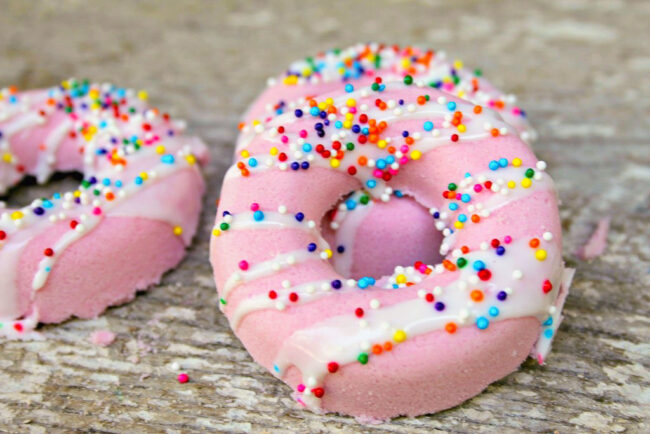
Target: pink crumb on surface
103, 338
596, 244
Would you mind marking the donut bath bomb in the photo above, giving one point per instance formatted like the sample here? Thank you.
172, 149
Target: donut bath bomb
386, 242
131, 218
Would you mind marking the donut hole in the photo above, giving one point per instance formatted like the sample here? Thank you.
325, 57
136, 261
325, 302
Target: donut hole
372, 239
28, 189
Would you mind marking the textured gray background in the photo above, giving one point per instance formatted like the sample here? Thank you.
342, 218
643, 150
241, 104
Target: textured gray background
581, 69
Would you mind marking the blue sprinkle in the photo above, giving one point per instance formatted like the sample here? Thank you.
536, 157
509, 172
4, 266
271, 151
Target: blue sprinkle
349, 88
252, 162
503, 162
493, 311
118, 183
549, 321
501, 250
340, 249
338, 124
502, 295
138, 180
428, 126
56, 195
305, 165
436, 215
482, 322
371, 183
276, 368
311, 247
451, 106
300, 216
465, 197
295, 165
306, 147
390, 159
336, 284
548, 333
258, 216
493, 165
314, 111
350, 204
462, 218
398, 193
439, 306
381, 164
478, 265
167, 159
47, 204
453, 206
106, 182
298, 113
48, 269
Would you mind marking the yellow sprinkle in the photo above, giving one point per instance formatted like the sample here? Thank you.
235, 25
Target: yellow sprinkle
415, 155
143, 95
461, 93
399, 336
329, 101
7, 157
347, 125
178, 230
462, 128
160, 149
459, 225
382, 144
256, 122
526, 182
349, 116
406, 62
76, 193
191, 159
328, 252
400, 279
322, 105
273, 151
291, 80
516, 162
512, 184
306, 72
458, 64
335, 163
540, 254
16, 215
144, 176
351, 102
216, 232
245, 153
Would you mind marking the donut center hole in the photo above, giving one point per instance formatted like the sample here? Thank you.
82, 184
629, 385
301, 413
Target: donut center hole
28, 190
372, 238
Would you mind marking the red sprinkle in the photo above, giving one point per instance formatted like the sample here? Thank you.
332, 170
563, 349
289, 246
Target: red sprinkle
547, 286
48, 252
332, 367
358, 312
293, 297
318, 392
273, 295
183, 378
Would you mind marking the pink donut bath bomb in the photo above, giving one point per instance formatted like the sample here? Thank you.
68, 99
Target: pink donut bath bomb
386, 242
130, 220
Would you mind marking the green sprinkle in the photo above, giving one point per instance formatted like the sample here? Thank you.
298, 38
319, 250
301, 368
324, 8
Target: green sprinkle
222, 301
349, 146
224, 226
363, 358
452, 186
529, 173
461, 262
364, 199
408, 80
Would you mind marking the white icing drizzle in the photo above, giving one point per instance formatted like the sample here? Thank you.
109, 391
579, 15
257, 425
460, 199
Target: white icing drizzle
343, 338
47, 158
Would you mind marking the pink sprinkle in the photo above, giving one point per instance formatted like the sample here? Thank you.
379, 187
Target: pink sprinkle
352, 110
183, 378
97, 211
284, 139
478, 188
458, 196
393, 171
243, 265
404, 148
507, 239
102, 338
300, 388
255, 206
377, 173
303, 133
403, 160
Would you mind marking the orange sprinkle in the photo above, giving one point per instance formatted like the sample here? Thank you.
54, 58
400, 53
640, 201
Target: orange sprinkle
388, 346
476, 295
377, 349
422, 100
362, 160
494, 132
464, 249
534, 243
475, 218
110, 196
478, 109
409, 140
241, 125
450, 327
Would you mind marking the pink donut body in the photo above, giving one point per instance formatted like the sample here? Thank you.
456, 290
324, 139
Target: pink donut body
423, 336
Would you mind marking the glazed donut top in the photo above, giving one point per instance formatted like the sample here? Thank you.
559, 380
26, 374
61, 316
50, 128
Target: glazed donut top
382, 128
358, 65
119, 143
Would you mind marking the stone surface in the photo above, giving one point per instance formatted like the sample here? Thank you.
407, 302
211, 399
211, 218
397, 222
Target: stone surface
581, 69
